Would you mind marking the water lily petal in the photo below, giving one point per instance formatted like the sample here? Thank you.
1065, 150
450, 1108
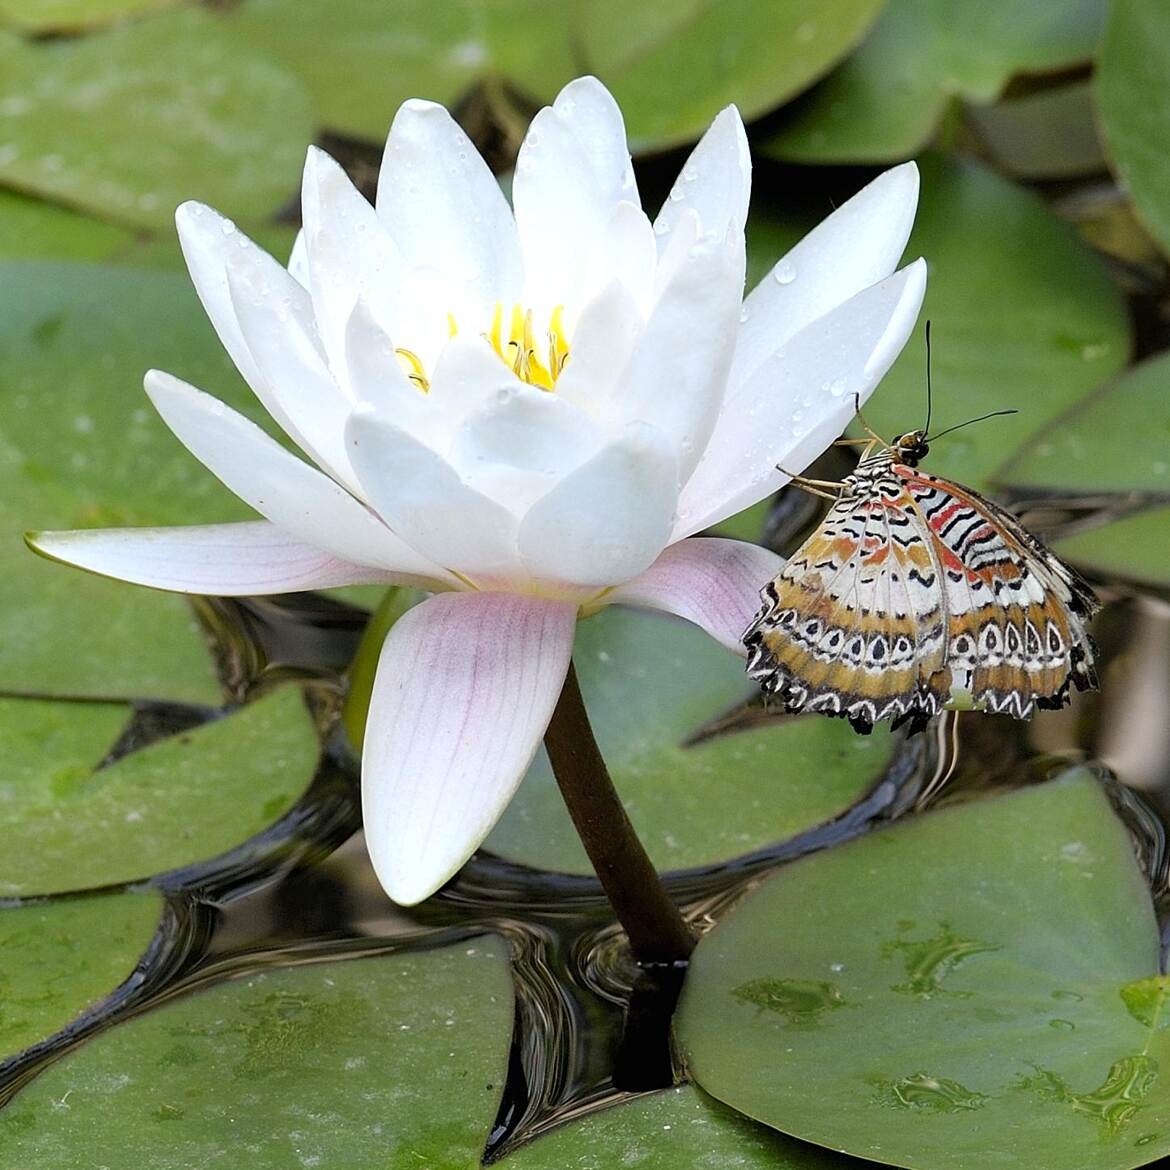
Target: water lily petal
519, 442
279, 334
609, 519
298, 261
856, 246
446, 212
715, 181
795, 404
465, 687
253, 558
677, 372
602, 343
468, 374
423, 498
572, 172
294, 496
712, 582
349, 253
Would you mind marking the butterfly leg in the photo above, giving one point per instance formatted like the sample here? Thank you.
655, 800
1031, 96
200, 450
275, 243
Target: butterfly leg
813, 486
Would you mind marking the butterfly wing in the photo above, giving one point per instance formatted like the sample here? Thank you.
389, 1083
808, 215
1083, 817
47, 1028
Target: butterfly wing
1016, 615
854, 623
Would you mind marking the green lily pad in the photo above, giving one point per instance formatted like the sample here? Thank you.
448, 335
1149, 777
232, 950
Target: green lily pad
649, 683
671, 66
184, 799
1116, 440
32, 229
679, 1129
71, 16
886, 101
985, 969
1024, 317
128, 123
62, 957
389, 1062
1133, 98
80, 446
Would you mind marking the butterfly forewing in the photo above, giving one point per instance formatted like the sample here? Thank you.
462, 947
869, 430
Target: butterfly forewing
911, 589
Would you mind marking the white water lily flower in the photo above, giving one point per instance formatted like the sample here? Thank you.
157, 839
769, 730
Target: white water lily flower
525, 413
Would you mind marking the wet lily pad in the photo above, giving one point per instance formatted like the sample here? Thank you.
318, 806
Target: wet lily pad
1133, 97
32, 228
80, 446
1116, 440
886, 101
650, 682
983, 969
679, 1129
396, 1061
59, 958
221, 124
1024, 317
70, 16
184, 799
670, 65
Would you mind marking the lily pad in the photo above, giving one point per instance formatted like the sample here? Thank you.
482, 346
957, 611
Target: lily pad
71, 16
128, 123
1133, 98
649, 683
184, 799
32, 229
886, 101
1024, 317
394, 1062
679, 1129
989, 968
62, 957
80, 446
671, 66
1116, 440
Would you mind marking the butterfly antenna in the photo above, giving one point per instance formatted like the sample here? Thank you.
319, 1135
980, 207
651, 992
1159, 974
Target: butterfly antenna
959, 426
929, 393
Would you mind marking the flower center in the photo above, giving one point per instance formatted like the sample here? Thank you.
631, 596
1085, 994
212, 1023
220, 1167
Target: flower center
538, 362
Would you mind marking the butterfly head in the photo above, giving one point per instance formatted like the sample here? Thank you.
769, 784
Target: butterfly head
910, 448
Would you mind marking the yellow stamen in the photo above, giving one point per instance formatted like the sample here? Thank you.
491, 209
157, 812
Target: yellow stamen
412, 365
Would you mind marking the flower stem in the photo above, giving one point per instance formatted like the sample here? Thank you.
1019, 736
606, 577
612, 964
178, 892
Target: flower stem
653, 924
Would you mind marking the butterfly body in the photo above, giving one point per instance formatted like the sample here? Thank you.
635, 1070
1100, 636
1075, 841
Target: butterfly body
915, 589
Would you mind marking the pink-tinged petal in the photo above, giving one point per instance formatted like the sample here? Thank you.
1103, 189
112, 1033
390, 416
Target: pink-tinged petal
424, 499
712, 582
606, 521
855, 247
715, 182
677, 373
294, 496
465, 687
213, 246
800, 400
221, 560
446, 212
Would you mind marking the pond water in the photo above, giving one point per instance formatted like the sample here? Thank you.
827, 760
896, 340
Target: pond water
590, 1026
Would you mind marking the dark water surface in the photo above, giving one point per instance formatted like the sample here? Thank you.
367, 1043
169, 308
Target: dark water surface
590, 1026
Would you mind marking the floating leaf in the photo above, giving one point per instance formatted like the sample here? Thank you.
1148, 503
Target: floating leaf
184, 799
977, 970
1133, 98
672, 67
32, 229
887, 100
395, 1061
80, 446
71, 16
1024, 316
1115, 440
650, 682
679, 1129
59, 958
131, 122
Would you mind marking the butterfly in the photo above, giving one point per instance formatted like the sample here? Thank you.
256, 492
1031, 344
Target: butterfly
915, 588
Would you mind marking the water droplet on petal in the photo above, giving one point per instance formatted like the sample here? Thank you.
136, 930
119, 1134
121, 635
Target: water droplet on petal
837, 387
784, 272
